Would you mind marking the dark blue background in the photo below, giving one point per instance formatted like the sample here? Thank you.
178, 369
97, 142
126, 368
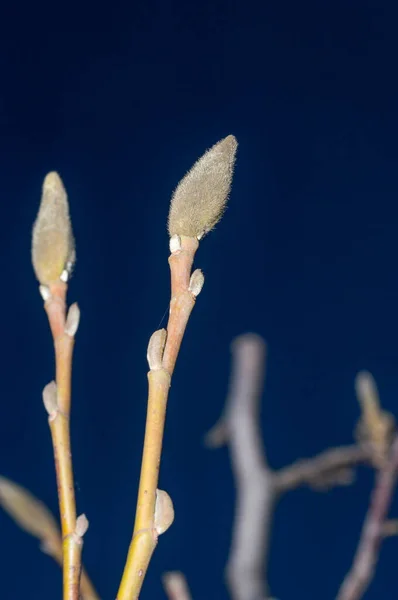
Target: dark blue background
121, 98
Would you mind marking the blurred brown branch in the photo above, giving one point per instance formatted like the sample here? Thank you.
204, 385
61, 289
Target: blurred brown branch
373, 532
259, 487
175, 586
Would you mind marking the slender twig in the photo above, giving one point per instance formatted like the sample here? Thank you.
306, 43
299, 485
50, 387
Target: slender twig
182, 298
162, 355
331, 462
63, 330
197, 205
176, 586
87, 589
361, 573
53, 256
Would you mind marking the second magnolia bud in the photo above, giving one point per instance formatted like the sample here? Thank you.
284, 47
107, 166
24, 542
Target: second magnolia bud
53, 248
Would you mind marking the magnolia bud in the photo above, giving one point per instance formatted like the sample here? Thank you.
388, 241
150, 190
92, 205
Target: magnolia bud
53, 249
200, 198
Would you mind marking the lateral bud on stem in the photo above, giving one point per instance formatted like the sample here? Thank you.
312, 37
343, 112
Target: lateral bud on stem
155, 349
196, 282
175, 243
44, 292
72, 320
81, 526
164, 512
50, 398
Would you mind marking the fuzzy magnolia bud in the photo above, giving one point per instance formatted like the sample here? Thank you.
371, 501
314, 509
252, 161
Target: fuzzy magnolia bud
53, 248
200, 198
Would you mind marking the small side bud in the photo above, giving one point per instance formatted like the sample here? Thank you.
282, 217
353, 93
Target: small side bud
366, 389
155, 349
44, 292
72, 320
199, 200
164, 512
376, 426
175, 243
53, 248
196, 282
50, 398
81, 526
65, 275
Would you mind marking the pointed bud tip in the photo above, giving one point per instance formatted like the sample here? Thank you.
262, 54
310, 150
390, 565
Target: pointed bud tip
53, 181
230, 143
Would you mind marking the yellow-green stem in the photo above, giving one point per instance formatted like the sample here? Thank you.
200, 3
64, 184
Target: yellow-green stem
144, 536
59, 424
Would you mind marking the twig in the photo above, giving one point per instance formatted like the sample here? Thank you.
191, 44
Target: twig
196, 207
53, 255
182, 297
176, 586
162, 355
57, 401
314, 470
361, 573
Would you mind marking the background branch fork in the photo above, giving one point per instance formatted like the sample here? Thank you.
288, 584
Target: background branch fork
258, 486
